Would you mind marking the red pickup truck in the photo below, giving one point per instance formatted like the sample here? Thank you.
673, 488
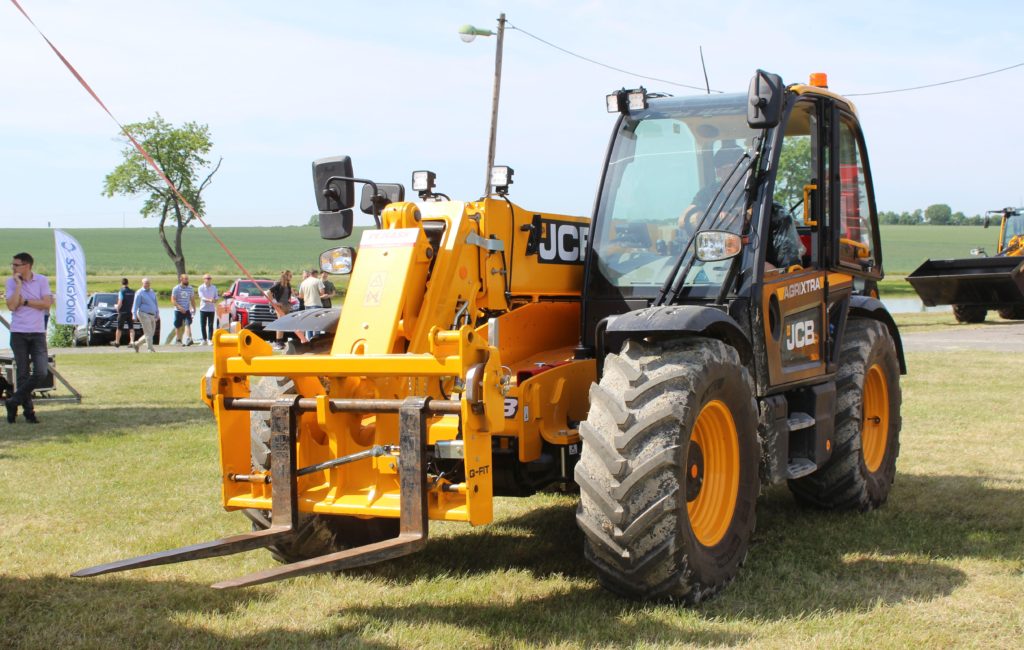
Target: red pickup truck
246, 304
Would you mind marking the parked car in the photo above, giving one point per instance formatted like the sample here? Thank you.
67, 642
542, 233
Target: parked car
245, 304
101, 321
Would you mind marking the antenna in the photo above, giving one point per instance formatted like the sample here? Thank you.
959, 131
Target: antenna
705, 68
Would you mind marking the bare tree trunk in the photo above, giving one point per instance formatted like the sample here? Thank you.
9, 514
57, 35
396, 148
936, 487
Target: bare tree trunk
180, 222
176, 258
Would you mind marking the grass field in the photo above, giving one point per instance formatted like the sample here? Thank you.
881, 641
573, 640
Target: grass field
905, 247
136, 251
134, 470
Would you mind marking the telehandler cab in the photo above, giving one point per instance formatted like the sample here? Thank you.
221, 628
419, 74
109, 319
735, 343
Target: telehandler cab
692, 342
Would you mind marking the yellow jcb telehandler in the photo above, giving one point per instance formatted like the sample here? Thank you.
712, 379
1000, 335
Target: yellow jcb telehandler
691, 342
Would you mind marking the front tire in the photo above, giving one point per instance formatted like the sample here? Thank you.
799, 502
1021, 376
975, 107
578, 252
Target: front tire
668, 473
969, 313
860, 473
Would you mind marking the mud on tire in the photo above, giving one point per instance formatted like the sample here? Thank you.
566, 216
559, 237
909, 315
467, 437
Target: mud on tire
671, 430
862, 468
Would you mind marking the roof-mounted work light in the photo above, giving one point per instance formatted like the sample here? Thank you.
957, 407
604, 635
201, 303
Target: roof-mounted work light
624, 101
501, 178
423, 183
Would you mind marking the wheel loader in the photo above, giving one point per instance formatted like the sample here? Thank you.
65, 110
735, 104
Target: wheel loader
701, 336
974, 285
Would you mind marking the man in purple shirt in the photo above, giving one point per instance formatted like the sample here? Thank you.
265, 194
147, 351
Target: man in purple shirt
29, 299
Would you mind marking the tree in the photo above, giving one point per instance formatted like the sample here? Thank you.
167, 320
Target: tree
314, 220
938, 214
793, 174
181, 154
888, 218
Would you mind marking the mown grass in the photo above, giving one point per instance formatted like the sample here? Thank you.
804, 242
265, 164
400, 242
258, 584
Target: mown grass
133, 469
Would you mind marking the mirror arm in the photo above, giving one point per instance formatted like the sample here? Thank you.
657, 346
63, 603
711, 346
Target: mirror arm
376, 192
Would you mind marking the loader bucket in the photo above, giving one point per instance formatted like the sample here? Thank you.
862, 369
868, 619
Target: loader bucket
992, 282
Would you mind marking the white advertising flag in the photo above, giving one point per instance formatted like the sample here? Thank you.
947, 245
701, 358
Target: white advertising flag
70, 296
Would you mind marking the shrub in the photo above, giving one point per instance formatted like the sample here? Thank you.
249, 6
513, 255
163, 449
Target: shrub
61, 336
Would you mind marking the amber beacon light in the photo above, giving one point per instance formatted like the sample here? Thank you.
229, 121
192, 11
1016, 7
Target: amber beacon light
819, 79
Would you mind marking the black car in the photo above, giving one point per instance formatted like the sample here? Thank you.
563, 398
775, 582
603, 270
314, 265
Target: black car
101, 321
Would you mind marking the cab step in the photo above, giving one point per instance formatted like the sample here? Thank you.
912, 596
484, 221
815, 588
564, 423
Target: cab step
799, 467
798, 420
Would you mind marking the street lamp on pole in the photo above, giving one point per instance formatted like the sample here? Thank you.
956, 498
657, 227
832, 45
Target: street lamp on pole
467, 33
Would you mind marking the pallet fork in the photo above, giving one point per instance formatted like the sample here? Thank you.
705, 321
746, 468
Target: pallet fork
413, 414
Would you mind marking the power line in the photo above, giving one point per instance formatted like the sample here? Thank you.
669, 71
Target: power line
941, 83
509, 25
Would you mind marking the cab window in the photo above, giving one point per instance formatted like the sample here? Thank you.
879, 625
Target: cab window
856, 234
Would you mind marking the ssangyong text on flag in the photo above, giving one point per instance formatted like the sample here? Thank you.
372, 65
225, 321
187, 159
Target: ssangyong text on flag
70, 296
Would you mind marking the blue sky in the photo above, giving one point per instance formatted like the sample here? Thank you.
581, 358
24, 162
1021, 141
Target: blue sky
391, 84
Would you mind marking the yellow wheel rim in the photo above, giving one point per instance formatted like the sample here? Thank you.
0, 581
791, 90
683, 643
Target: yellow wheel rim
712, 474
874, 432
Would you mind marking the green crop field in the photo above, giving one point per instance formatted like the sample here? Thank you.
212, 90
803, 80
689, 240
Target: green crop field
138, 251
905, 247
114, 251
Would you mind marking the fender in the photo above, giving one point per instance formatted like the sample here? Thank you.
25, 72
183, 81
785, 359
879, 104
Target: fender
320, 319
670, 321
868, 307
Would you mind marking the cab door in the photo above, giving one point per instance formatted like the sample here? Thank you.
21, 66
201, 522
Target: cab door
794, 299
855, 249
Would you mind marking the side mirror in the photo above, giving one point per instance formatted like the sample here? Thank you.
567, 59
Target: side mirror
764, 100
386, 193
226, 294
338, 261
335, 195
335, 225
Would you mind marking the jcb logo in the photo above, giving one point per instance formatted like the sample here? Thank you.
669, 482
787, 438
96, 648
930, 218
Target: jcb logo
558, 242
800, 334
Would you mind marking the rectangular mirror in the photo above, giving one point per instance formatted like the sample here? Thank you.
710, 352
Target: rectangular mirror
333, 195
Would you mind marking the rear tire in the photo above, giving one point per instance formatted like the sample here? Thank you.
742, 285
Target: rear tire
317, 534
1012, 313
969, 313
860, 473
668, 474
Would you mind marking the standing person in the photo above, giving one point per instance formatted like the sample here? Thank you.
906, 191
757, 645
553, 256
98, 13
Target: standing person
125, 300
183, 297
329, 289
146, 310
29, 300
207, 308
310, 290
280, 297
302, 301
